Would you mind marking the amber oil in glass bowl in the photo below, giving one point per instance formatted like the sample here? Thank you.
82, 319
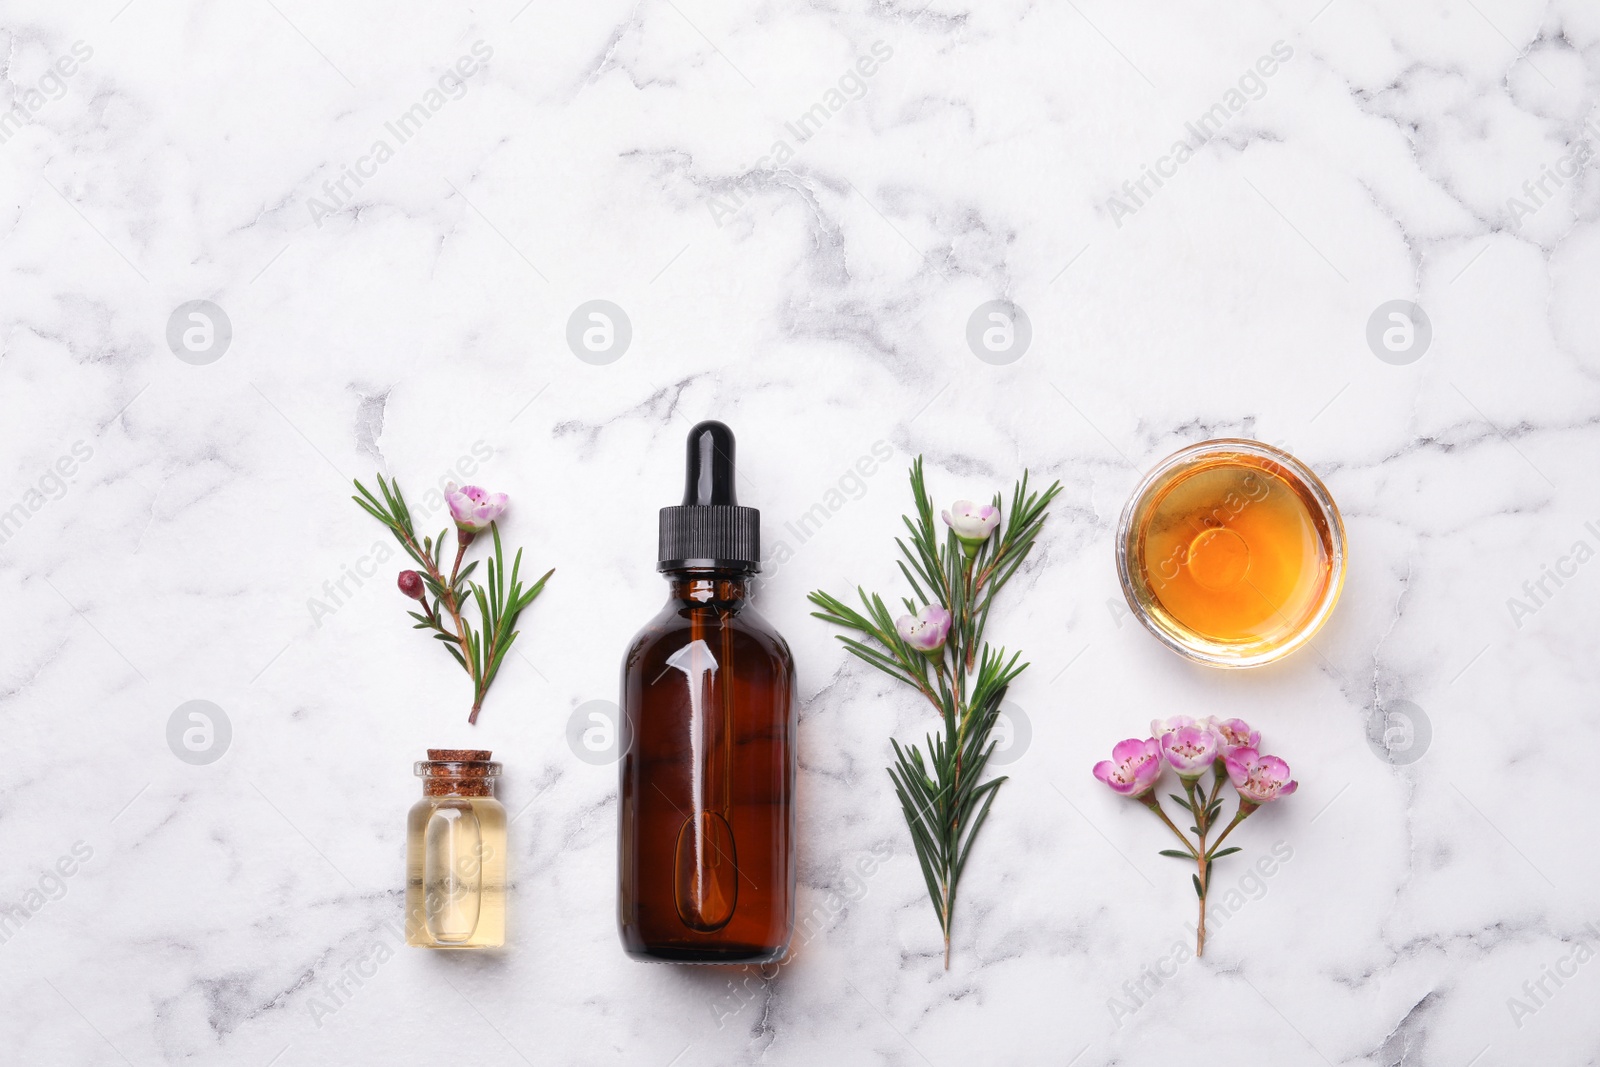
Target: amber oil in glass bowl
1231, 552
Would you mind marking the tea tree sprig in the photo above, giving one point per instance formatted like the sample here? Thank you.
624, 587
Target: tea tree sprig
500, 603
937, 648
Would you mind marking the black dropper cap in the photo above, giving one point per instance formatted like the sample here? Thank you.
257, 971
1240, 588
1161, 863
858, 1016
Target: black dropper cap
709, 529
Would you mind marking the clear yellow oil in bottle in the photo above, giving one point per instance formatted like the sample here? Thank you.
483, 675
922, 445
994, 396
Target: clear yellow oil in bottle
456, 860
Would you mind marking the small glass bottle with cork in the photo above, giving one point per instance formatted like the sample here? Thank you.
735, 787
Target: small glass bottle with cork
456, 853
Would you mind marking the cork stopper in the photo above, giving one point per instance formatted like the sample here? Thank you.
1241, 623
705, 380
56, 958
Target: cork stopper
458, 772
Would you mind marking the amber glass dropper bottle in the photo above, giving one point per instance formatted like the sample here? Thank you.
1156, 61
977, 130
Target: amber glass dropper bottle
705, 847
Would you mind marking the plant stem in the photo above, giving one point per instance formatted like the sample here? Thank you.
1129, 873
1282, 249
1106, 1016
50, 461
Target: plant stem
1201, 858
1245, 809
461, 632
450, 606
947, 925
1149, 800
955, 820
480, 690
970, 650
959, 699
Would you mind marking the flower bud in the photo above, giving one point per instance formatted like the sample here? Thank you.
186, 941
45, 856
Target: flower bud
411, 585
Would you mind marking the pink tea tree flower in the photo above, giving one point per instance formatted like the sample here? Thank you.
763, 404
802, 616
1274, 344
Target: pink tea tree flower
1226, 746
1134, 767
1235, 733
927, 630
1259, 779
446, 597
473, 509
1191, 750
972, 523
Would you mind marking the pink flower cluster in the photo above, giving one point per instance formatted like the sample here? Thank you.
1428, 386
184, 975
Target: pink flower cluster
1191, 747
1228, 748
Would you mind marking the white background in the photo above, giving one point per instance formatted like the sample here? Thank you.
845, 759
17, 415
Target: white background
593, 157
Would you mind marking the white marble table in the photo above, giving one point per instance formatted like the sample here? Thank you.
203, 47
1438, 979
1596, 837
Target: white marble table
399, 207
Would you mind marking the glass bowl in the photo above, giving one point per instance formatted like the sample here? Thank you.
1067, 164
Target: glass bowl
1231, 552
